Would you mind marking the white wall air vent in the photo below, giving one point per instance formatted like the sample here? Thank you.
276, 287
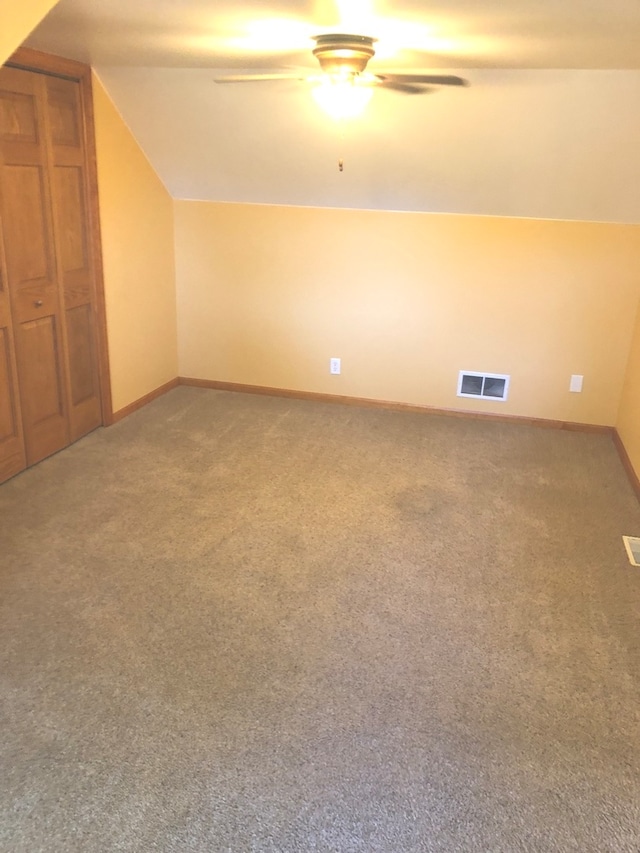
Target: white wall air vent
632, 544
485, 386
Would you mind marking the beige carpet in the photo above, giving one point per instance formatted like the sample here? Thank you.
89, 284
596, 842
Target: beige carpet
235, 623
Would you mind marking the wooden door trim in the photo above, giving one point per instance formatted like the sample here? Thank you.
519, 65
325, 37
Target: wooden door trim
57, 66
45, 63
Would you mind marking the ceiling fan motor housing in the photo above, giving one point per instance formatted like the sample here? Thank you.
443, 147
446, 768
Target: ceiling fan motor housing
343, 54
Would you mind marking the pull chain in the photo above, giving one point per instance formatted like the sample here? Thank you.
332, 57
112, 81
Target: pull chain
342, 146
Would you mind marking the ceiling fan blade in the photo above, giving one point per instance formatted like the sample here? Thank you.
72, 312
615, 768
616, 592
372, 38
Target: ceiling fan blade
406, 88
425, 79
257, 78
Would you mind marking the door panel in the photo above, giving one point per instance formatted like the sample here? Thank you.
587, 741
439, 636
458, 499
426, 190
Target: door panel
65, 118
69, 196
12, 454
50, 341
17, 117
41, 387
42, 392
81, 349
29, 250
75, 264
23, 188
7, 408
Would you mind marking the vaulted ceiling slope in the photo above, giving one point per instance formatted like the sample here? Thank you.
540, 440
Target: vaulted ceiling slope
548, 127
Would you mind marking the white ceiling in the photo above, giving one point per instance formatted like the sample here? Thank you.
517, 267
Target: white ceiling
548, 127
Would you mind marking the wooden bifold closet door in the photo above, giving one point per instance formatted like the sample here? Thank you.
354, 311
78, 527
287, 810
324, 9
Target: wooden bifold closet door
50, 392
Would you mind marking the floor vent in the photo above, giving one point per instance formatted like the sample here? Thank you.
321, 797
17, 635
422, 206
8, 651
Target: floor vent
632, 544
486, 386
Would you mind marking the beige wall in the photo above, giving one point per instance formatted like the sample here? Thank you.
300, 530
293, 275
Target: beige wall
266, 295
629, 415
136, 215
18, 18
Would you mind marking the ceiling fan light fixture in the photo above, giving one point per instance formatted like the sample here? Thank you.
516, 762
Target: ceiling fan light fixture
342, 90
344, 86
341, 96
337, 52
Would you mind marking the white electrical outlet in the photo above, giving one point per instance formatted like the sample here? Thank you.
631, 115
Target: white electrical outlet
334, 366
576, 383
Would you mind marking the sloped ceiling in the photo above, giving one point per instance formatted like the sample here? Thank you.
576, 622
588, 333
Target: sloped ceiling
549, 126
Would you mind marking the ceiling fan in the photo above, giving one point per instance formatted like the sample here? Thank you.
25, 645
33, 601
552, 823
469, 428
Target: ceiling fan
344, 58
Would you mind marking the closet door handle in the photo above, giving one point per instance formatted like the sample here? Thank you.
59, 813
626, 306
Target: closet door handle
37, 303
